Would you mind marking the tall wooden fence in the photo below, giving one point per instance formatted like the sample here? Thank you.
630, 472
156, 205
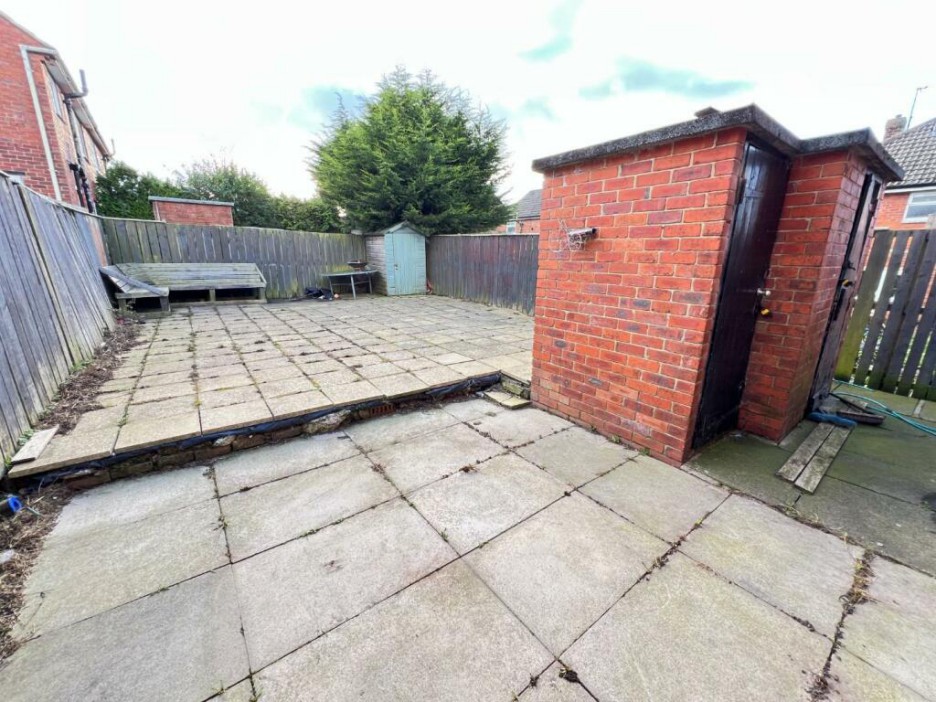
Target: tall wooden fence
290, 261
54, 308
890, 343
496, 269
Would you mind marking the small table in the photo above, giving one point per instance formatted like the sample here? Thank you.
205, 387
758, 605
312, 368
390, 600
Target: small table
334, 278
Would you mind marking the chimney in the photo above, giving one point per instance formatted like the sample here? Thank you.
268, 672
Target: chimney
894, 126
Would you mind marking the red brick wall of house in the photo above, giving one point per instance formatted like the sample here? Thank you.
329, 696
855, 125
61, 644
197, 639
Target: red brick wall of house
891, 212
193, 213
622, 327
21, 148
822, 197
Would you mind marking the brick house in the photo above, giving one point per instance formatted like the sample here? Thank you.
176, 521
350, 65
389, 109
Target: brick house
526, 219
48, 139
696, 278
910, 203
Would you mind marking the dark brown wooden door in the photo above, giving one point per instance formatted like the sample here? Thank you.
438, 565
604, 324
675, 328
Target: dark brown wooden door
845, 293
752, 239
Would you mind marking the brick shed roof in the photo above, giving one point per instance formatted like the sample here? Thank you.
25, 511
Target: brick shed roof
751, 118
915, 151
529, 205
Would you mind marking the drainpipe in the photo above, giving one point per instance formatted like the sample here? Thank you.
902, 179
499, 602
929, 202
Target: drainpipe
84, 192
25, 51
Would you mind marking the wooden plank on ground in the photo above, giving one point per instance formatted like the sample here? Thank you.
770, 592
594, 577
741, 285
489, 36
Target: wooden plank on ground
33, 448
796, 463
817, 467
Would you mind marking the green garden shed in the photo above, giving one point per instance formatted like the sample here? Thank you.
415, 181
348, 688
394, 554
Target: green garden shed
399, 256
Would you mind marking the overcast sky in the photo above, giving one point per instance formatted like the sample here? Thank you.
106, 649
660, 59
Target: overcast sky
173, 81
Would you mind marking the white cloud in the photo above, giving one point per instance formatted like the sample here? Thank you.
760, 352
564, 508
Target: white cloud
178, 81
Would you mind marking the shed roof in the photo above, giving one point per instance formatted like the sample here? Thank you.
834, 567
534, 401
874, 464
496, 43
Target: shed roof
915, 151
753, 119
396, 227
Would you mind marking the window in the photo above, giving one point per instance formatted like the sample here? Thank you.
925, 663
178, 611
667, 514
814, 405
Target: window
512, 227
57, 99
920, 206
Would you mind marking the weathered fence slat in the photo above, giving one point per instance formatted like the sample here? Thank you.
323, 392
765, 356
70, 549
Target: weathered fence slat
895, 331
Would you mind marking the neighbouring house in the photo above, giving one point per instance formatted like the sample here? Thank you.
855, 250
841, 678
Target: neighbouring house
911, 202
48, 138
177, 210
526, 216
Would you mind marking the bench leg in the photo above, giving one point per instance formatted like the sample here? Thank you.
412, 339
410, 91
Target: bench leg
164, 304
211, 296
122, 305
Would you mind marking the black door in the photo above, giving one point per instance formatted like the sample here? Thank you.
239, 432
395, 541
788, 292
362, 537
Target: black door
752, 239
845, 293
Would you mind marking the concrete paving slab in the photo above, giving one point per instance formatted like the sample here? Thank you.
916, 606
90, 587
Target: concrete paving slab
300, 403
889, 526
180, 376
467, 410
162, 392
562, 568
136, 435
748, 464
212, 399
905, 476
378, 370
576, 455
687, 634
183, 643
243, 414
223, 382
100, 419
245, 469
893, 632
550, 687
126, 501
284, 509
241, 692
351, 393
289, 386
445, 638
68, 449
400, 426
851, 679
473, 369
326, 578
75, 578
417, 461
800, 570
157, 411
438, 377
399, 385
520, 427
475, 506
113, 399
663, 500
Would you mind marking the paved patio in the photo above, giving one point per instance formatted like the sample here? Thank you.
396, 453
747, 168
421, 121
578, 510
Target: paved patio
462, 552
205, 370
880, 490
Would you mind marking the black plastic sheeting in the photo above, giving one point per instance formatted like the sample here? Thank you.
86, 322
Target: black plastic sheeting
465, 386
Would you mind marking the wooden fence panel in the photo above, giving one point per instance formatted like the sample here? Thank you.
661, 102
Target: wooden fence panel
890, 343
290, 261
54, 308
496, 269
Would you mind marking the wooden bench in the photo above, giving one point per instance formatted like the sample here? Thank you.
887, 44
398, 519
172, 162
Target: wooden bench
127, 288
210, 277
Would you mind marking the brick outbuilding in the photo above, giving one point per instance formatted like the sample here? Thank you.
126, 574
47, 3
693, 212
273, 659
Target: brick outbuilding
177, 210
711, 278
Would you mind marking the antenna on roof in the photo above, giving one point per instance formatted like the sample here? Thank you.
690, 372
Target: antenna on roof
913, 106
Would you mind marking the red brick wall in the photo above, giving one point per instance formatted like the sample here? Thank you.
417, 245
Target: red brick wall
891, 212
21, 148
622, 327
822, 196
193, 213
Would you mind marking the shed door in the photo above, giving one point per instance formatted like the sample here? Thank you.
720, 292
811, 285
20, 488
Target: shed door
408, 261
752, 240
844, 294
